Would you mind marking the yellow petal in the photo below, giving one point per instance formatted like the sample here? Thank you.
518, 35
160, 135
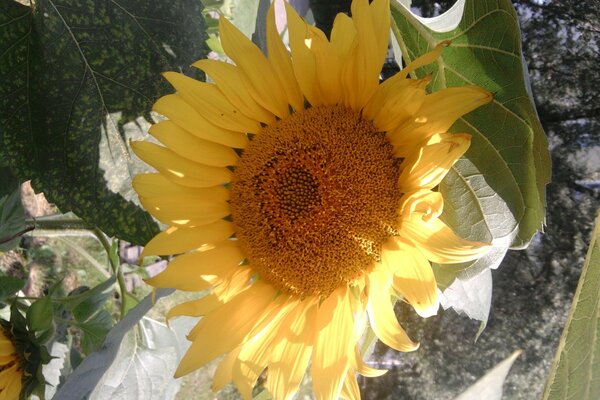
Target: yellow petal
204, 206
438, 243
280, 60
395, 102
178, 169
372, 26
418, 62
425, 202
362, 368
332, 344
157, 185
439, 112
350, 390
288, 363
227, 327
234, 88
429, 166
177, 240
223, 374
183, 114
327, 68
189, 146
253, 358
210, 102
266, 89
382, 316
413, 277
303, 60
199, 270
343, 36
12, 378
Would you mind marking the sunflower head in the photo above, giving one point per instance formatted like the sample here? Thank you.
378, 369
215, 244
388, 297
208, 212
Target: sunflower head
302, 192
21, 360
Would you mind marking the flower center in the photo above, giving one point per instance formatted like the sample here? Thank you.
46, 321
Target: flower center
313, 198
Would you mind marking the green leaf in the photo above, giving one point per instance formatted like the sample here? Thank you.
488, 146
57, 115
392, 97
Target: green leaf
12, 220
9, 286
83, 380
78, 76
496, 193
576, 370
146, 362
94, 330
86, 302
489, 386
39, 315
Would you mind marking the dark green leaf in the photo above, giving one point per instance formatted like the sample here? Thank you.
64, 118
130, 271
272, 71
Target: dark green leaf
86, 303
498, 191
85, 70
94, 330
39, 315
12, 220
9, 286
576, 370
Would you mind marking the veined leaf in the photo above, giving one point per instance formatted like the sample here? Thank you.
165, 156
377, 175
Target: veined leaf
85, 377
12, 220
576, 370
496, 193
500, 185
75, 77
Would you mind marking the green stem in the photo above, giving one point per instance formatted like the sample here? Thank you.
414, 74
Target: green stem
115, 267
53, 224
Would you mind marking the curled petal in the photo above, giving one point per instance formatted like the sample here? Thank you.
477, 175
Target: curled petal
438, 243
382, 316
429, 166
426, 203
413, 277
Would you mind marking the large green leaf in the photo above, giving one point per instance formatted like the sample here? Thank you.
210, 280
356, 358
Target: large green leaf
498, 190
496, 193
576, 370
76, 76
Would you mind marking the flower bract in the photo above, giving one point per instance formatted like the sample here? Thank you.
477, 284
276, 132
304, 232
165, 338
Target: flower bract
301, 194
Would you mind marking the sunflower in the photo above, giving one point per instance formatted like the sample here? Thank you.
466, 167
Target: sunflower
300, 193
11, 373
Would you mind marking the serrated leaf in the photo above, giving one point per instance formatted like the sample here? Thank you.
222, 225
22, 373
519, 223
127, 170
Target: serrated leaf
12, 220
9, 286
145, 364
83, 380
94, 330
80, 71
575, 373
507, 166
489, 387
39, 315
